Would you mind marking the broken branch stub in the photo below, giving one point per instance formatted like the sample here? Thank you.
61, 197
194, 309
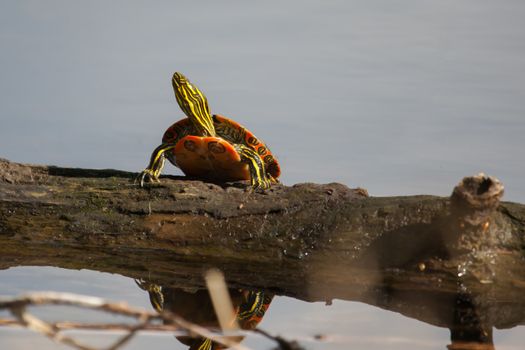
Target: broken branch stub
476, 197
474, 218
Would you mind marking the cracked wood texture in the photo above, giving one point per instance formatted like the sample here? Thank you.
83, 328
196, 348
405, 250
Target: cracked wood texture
416, 255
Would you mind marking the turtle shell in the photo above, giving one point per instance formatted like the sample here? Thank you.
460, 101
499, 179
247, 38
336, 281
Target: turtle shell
216, 157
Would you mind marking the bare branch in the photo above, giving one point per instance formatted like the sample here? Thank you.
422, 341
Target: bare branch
44, 328
17, 306
66, 326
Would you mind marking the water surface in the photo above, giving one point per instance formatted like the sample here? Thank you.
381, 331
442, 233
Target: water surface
399, 97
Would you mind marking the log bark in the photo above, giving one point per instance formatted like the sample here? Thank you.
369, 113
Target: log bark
416, 255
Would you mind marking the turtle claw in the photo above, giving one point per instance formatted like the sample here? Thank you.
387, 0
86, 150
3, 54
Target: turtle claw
142, 283
155, 293
260, 185
147, 175
146, 285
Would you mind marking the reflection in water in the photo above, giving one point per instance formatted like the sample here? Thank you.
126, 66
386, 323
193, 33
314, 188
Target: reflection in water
469, 315
469, 330
196, 306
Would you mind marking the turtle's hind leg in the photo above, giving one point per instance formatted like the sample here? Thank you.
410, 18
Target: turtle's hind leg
259, 179
156, 163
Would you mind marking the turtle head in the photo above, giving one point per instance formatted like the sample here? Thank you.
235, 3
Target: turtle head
194, 104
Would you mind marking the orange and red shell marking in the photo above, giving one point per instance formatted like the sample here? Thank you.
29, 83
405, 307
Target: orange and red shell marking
215, 157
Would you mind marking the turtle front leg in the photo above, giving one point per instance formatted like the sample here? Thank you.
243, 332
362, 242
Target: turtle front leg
259, 179
156, 163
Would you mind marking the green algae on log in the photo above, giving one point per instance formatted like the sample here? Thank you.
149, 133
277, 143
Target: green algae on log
310, 241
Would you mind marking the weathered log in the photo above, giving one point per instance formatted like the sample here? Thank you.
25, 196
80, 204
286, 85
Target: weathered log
416, 255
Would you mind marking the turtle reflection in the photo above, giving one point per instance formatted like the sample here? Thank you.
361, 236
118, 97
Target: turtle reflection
249, 306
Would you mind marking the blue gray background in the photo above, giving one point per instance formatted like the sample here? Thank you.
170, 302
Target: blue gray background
399, 97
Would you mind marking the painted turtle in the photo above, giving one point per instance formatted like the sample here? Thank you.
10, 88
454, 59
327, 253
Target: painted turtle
211, 146
196, 306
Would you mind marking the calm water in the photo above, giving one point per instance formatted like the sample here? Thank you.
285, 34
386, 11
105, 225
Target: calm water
399, 97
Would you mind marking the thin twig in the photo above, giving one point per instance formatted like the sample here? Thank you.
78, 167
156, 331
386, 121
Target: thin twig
44, 328
65, 326
221, 300
126, 338
17, 306
283, 343
204, 332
